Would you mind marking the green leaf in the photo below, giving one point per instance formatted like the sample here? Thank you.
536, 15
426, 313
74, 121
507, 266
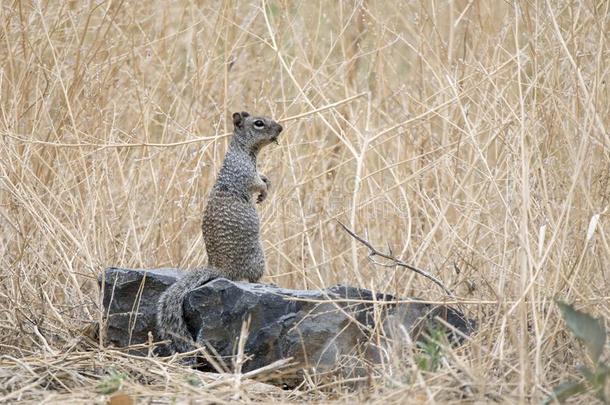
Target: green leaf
589, 330
193, 381
111, 383
431, 349
564, 391
598, 381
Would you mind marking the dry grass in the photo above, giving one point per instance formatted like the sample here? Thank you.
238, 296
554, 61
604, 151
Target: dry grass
478, 142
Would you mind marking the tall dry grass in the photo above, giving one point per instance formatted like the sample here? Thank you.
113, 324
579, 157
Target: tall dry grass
470, 138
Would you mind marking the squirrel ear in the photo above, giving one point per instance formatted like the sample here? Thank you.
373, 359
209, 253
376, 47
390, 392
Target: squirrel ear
237, 120
245, 114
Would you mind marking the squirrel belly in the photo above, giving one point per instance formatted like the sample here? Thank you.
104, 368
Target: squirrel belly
231, 233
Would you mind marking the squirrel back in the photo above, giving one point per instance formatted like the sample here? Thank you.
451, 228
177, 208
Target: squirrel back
230, 226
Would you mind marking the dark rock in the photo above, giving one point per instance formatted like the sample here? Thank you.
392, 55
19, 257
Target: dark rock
318, 329
130, 303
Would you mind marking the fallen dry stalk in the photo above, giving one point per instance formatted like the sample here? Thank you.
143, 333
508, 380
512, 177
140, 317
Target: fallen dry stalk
395, 262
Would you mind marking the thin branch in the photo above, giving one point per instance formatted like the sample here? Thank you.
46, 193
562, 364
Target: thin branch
179, 143
395, 262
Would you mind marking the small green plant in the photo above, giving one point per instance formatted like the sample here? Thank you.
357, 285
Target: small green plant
431, 350
111, 383
193, 381
592, 333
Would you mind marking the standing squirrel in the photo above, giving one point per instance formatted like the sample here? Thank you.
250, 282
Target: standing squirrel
231, 227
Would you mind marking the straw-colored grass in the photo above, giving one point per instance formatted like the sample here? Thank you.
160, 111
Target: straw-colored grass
470, 138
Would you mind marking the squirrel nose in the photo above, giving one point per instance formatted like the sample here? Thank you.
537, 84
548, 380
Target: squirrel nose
279, 128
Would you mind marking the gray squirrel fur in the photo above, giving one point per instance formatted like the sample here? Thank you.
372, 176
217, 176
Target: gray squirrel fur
230, 226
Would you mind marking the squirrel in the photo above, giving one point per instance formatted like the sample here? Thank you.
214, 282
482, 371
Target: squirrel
230, 226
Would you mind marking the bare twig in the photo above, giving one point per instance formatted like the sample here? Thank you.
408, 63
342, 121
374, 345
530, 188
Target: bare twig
179, 143
394, 261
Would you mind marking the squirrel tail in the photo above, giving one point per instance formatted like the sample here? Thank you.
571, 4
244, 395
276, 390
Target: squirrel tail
170, 311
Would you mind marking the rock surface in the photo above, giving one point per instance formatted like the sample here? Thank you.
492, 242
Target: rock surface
320, 329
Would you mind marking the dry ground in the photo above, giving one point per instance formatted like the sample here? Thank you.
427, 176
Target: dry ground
470, 138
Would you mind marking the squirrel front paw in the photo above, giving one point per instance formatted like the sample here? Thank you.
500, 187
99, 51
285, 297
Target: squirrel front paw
266, 181
261, 196
264, 190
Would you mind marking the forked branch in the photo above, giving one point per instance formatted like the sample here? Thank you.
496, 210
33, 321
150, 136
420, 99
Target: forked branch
394, 261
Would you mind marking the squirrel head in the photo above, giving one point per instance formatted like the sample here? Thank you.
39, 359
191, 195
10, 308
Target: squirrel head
254, 132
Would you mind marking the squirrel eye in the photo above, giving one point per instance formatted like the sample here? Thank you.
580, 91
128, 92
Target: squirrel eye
259, 124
